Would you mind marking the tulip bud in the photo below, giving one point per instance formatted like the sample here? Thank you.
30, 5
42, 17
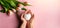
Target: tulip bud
10, 12
26, 4
13, 10
20, 5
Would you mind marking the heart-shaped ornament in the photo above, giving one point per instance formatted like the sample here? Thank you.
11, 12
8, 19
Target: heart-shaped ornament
27, 16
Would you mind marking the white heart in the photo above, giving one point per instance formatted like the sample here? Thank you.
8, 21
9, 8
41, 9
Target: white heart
27, 16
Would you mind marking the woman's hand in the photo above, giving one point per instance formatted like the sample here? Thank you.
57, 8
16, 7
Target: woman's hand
27, 23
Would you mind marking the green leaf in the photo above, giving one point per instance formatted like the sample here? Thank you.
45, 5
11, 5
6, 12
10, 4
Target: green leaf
2, 3
9, 4
23, 9
12, 3
3, 11
6, 9
5, 4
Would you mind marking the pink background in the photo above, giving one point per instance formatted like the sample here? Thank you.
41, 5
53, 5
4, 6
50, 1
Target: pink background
47, 15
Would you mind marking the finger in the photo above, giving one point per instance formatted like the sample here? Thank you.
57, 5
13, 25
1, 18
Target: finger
27, 11
32, 18
22, 17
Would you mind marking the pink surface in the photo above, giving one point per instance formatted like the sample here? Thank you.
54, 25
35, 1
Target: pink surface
47, 15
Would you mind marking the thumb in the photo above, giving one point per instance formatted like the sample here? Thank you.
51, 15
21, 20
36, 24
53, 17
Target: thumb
22, 18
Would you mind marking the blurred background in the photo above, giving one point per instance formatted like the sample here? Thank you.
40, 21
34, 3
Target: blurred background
47, 15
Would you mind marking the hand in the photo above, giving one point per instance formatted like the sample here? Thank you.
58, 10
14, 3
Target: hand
26, 23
